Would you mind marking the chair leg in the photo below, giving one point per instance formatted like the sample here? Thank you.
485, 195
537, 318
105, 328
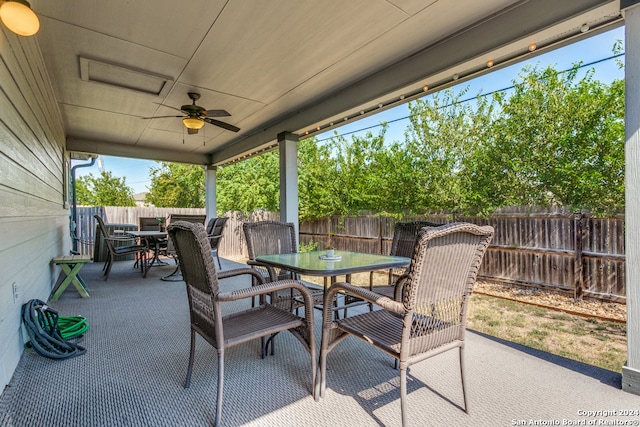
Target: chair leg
143, 263
106, 262
264, 344
371, 288
215, 254
464, 389
220, 386
253, 299
272, 341
323, 366
192, 350
109, 265
322, 380
403, 396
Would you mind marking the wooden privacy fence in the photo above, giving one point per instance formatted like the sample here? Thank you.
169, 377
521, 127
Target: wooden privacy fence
569, 252
126, 217
573, 253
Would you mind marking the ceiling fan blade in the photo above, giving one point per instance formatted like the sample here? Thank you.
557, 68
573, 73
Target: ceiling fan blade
218, 113
223, 125
168, 106
159, 117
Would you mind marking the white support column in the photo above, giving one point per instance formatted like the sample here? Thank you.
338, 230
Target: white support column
288, 145
631, 370
210, 192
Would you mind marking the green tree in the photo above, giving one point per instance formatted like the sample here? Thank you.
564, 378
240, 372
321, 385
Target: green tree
346, 176
443, 133
103, 190
558, 140
177, 185
317, 173
555, 139
250, 185
84, 190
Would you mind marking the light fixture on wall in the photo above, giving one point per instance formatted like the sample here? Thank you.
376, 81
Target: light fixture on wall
193, 122
17, 16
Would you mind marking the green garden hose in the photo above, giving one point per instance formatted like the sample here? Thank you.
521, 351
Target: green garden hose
72, 326
45, 337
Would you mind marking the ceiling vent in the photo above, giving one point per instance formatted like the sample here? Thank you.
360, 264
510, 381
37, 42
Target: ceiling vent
97, 71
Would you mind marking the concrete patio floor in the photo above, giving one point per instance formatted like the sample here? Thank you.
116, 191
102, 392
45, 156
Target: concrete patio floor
137, 354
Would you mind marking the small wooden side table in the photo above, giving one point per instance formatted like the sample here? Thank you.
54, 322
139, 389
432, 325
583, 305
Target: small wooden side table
71, 265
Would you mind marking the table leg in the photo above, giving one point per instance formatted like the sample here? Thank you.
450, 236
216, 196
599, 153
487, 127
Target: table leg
155, 260
176, 276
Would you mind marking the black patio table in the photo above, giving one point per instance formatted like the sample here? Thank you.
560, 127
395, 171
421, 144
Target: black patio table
153, 239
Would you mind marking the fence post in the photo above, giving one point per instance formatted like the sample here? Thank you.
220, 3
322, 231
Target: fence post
577, 265
380, 235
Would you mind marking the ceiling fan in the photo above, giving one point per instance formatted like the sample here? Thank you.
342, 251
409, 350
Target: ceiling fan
195, 116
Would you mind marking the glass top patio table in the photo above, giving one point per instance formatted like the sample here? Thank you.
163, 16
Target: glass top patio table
147, 234
311, 263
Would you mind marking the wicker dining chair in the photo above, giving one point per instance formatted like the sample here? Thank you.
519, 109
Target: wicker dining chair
205, 301
404, 239
169, 249
275, 237
215, 227
120, 250
431, 316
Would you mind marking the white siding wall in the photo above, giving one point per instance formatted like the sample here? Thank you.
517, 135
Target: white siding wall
33, 218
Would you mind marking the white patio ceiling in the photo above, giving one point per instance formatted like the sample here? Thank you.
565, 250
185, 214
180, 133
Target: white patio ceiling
277, 66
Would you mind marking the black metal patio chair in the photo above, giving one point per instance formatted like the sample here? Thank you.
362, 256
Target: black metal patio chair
137, 249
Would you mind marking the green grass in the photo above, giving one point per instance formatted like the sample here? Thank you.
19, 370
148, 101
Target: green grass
588, 340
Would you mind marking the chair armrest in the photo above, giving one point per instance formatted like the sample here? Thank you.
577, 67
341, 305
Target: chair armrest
240, 271
272, 272
269, 288
362, 293
120, 239
399, 286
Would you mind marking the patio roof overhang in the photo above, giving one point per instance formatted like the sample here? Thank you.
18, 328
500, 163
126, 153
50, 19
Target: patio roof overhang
296, 67
286, 69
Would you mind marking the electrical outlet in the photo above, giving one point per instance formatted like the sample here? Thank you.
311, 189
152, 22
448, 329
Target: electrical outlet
16, 294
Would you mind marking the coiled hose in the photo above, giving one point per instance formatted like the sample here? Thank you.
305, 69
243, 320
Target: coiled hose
72, 326
43, 327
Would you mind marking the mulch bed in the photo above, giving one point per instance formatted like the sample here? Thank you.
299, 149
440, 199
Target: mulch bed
588, 307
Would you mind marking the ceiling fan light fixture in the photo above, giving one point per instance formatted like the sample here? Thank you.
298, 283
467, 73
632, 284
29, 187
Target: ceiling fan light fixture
18, 16
193, 122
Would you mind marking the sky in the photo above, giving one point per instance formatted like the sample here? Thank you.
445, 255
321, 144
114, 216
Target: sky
596, 48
